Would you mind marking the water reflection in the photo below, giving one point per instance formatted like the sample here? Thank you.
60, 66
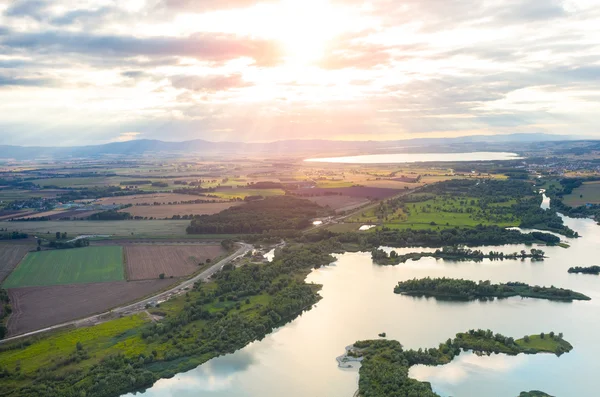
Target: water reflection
298, 360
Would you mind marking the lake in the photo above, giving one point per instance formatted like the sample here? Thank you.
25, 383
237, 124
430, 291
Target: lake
298, 359
417, 157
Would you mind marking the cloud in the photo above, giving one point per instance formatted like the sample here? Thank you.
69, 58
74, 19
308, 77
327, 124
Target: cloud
10, 81
127, 136
203, 46
212, 83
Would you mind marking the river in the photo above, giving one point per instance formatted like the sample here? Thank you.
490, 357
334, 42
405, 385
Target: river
298, 360
395, 158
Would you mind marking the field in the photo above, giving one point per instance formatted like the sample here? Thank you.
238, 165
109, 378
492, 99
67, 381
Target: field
339, 203
589, 192
68, 266
101, 338
362, 192
242, 193
40, 307
6, 215
439, 212
168, 211
149, 261
57, 214
10, 256
162, 198
154, 228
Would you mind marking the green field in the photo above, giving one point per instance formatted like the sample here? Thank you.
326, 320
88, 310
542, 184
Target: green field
437, 212
589, 192
68, 266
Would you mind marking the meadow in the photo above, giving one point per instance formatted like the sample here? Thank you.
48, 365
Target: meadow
589, 192
68, 266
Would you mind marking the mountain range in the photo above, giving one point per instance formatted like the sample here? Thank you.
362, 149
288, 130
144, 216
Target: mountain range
200, 147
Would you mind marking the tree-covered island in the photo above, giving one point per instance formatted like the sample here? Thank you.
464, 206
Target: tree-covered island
460, 289
385, 365
458, 253
585, 270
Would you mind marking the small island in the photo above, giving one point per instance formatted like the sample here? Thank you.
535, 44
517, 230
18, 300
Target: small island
385, 364
585, 270
457, 253
534, 393
460, 289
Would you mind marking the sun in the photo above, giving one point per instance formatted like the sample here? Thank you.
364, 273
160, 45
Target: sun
304, 27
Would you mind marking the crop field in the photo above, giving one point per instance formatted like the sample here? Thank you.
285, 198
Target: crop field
10, 256
362, 192
68, 266
40, 307
339, 203
9, 195
242, 193
6, 215
589, 192
168, 211
162, 198
79, 182
154, 228
45, 352
149, 261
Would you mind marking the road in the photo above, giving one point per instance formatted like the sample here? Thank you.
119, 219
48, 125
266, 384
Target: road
141, 305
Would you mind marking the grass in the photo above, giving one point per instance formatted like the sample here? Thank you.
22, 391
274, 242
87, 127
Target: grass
242, 193
104, 339
547, 344
68, 266
589, 192
442, 212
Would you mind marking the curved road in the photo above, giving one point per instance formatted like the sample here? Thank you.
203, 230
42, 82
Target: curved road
141, 305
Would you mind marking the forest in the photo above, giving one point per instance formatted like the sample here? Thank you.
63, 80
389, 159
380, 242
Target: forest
385, 364
460, 289
270, 214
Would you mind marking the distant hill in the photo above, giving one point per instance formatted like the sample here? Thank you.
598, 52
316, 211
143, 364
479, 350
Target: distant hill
285, 147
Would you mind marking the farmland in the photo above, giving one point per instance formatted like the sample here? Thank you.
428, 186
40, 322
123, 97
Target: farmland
149, 261
10, 256
355, 191
40, 307
242, 193
162, 198
589, 192
147, 228
339, 203
77, 265
168, 211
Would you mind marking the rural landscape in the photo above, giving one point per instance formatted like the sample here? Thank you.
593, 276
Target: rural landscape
134, 270
299, 198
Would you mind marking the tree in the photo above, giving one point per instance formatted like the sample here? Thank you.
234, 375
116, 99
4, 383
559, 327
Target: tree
551, 334
58, 235
79, 346
526, 338
39, 242
542, 335
208, 260
161, 276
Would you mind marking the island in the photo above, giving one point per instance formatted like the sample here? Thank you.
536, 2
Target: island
456, 253
460, 289
534, 393
585, 270
385, 364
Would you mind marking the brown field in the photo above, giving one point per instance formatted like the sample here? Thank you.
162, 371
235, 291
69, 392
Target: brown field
5, 215
10, 256
162, 198
339, 203
59, 214
40, 307
149, 261
167, 211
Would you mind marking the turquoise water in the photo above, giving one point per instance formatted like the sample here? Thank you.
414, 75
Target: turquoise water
298, 360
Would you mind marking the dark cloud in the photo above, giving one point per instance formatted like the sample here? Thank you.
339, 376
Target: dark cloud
134, 74
10, 81
211, 83
35, 9
203, 46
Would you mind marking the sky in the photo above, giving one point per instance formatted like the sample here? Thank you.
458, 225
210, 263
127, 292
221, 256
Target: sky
76, 72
